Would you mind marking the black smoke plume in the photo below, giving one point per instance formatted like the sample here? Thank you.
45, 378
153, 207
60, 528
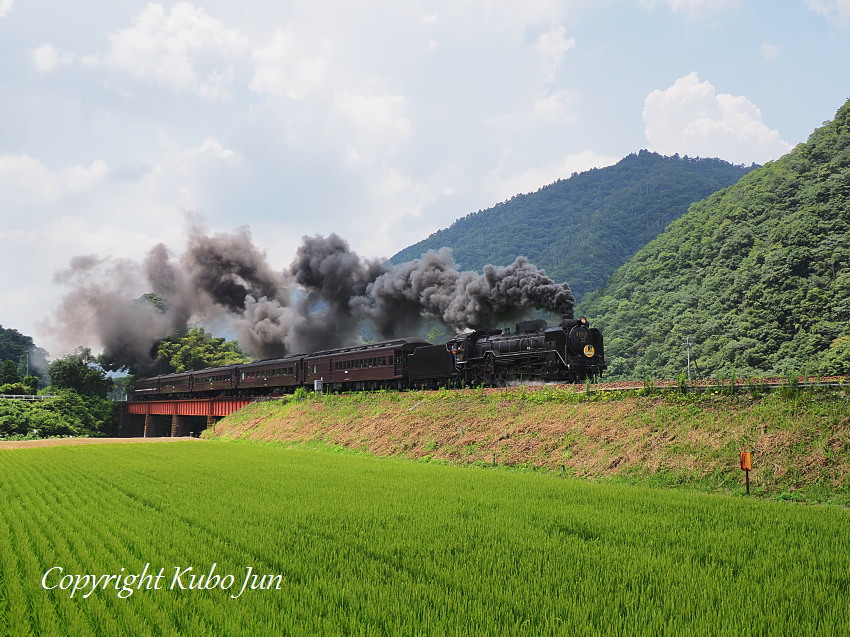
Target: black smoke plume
433, 286
317, 303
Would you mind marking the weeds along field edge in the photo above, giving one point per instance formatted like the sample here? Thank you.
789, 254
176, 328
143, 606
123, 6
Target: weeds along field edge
367, 545
800, 441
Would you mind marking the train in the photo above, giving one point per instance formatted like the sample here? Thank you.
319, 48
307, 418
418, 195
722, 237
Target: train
569, 352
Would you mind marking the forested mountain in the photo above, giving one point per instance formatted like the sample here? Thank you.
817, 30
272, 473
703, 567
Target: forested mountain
756, 276
581, 229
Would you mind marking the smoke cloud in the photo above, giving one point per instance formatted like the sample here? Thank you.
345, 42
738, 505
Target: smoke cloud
318, 302
432, 286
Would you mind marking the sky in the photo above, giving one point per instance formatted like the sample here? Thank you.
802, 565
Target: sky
124, 124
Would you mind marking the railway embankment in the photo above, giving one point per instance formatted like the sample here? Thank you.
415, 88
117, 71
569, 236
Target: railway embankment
799, 438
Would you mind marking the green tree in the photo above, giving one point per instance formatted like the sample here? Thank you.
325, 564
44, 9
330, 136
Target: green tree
836, 360
13, 344
27, 385
197, 349
79, 373
13, 389
20, 348
31, 383
68, 414
9, 372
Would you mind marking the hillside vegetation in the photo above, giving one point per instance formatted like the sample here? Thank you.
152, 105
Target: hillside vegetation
582, 228
799, 440
757, 276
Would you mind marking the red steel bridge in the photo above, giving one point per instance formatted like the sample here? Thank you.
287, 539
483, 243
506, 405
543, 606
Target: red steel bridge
162, 418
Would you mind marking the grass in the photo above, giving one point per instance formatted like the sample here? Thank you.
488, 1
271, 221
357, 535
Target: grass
800, 441
383, 546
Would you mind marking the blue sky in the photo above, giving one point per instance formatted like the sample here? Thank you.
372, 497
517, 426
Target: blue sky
380, 121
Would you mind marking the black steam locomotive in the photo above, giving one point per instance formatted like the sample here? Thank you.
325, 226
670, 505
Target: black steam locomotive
569, 352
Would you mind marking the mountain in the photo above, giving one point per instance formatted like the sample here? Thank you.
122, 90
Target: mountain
756, 276
581, 229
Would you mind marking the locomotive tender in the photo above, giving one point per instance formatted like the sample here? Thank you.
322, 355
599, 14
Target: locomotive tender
569, 352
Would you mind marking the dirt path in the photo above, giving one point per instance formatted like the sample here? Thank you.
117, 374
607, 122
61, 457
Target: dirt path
53, 442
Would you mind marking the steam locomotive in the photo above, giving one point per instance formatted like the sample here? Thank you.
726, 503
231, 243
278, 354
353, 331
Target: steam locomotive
569, 352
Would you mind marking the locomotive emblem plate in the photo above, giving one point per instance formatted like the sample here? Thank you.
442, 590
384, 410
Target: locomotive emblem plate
589, 351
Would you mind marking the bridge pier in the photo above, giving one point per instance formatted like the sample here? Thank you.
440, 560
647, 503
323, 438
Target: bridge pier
157, 425
130, 425
150, 426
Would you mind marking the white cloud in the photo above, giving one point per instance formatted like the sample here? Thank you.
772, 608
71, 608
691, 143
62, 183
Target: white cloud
551, 47
185, 48
502, 184
284, 68
769, 52
25, 178
5, 7
836, 10
396, 200
691, 118
46, 58
556, 108
698, 9
379, 125
182, 178
187, 178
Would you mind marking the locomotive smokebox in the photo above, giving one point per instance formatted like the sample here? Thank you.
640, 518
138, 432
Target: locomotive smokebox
568, 323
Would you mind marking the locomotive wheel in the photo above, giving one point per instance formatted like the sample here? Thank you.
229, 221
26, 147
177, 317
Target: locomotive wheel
572, 376
500, 378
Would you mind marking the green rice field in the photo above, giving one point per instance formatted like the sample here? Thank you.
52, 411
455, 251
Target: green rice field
225, 538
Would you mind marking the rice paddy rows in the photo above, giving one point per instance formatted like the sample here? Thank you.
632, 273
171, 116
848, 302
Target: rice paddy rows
380, 546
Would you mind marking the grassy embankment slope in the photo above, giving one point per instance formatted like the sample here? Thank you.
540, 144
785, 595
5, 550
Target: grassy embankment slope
799, 440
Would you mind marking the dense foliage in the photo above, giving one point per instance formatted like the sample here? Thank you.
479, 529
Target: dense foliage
68, 414
79, 373
19, 351
197, 349
581, 229
756, 276
79, 407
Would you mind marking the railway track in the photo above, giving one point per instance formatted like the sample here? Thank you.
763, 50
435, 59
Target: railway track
741, 384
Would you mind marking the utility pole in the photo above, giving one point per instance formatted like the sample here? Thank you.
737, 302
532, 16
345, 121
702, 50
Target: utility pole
687, 343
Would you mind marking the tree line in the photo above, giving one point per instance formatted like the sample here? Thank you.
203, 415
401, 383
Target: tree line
82, 387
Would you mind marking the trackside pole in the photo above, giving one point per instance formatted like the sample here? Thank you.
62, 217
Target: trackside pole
746, 467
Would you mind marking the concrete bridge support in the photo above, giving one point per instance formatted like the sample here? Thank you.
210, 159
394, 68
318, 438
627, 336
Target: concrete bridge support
150, 425
179, 426
211, 420
156, 426
130, 425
